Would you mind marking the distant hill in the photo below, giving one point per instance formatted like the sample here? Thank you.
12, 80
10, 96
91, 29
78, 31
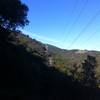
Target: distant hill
62, 58
25, 76
66, 58
38, 46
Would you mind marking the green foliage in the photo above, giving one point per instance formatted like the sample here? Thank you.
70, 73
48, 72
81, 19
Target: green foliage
32, 76
70, 65
32, 46
13, 13
89, 66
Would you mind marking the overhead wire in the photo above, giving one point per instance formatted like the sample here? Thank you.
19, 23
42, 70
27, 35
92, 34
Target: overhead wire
84, 29
68, 23
76, 20
73, 10
91, 36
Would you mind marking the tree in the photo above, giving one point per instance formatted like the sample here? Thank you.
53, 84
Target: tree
13, 14
89, 66
75, 71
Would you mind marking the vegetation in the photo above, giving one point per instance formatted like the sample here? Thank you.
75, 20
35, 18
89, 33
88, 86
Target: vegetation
13, 13
71, 66
24, 72
89, 66
28, 78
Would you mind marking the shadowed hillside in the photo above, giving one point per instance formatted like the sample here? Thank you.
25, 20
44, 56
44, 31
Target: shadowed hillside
24, 75
63, 60
31, 70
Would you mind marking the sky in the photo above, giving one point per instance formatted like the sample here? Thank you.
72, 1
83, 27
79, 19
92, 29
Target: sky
68, 24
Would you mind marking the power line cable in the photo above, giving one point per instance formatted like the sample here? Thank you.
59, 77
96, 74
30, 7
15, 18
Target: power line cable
77, 18
92, 35
84, 29
73, 10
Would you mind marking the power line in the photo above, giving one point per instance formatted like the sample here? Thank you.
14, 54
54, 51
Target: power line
84, 29
73, 10
67, 23
77, 18
92, 35
95, 48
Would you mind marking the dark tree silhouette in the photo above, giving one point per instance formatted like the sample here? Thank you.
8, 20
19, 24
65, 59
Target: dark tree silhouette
89, 66
13, 14
76, 72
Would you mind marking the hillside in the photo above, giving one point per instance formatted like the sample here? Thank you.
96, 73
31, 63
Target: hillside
38, 47
63, 59
32, 70
25, 76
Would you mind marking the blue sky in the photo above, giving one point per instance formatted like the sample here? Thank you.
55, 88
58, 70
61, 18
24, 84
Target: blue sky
69, 24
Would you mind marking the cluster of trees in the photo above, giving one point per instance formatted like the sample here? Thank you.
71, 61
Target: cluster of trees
87, 73
84, 72
13, 14
89, 66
